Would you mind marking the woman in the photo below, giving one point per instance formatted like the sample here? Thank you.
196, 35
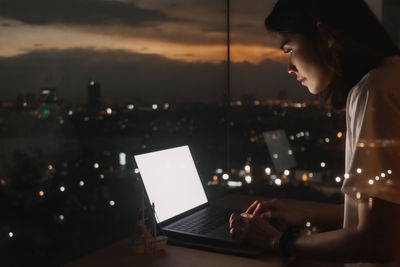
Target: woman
339, 50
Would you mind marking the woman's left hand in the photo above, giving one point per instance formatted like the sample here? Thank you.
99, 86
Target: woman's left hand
255, 230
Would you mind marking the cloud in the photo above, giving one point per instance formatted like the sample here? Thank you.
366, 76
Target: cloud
87, 12
124, 76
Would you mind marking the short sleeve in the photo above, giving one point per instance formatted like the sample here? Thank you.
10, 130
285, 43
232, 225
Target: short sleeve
374, 170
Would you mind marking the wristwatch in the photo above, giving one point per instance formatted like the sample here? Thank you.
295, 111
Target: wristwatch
286, 241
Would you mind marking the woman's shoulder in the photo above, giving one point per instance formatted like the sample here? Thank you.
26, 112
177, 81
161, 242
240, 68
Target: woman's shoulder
383, 80
386, 77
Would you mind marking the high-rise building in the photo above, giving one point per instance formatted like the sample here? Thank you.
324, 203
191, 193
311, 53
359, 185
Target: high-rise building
48, 96
94, 94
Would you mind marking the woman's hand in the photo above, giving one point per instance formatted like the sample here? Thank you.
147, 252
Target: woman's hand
278, 214
255, 230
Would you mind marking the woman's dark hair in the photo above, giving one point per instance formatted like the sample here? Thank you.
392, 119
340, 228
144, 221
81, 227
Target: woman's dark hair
359, 42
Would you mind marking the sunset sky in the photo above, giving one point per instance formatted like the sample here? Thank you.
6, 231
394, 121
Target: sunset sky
152, 49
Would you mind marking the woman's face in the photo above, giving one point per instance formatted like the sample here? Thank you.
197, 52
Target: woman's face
306, 61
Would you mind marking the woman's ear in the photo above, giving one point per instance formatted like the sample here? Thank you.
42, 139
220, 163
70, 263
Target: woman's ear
326, 35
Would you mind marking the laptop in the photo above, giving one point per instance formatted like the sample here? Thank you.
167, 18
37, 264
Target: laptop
182, 209
279, 150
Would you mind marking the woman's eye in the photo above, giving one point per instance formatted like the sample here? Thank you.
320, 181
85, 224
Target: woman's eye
287, 51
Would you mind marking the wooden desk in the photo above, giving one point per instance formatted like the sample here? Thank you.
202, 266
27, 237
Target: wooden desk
119, 253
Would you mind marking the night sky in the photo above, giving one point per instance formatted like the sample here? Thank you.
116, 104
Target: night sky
155, 50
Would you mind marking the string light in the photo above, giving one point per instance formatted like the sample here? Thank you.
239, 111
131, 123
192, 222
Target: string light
62, 188
338, 179
346, 176
41, 193
370, 181
225, 176
359, 170
112, 202
339, 135
136, 170
81, 183
10, 234
96, 165
323, 164
383, 175
267, 171
286, 172
389, 171
278, 181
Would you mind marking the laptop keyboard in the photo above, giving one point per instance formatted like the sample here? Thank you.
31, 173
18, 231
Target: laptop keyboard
203, 221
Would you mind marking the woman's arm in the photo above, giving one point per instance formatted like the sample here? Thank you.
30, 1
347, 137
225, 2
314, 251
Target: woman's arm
375, 239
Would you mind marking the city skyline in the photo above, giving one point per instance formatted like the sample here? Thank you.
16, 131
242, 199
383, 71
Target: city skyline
150, 49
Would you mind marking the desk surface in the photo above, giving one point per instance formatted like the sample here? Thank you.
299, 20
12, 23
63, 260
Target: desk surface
119, 254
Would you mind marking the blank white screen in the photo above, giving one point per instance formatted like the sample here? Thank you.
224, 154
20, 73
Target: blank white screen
171, 181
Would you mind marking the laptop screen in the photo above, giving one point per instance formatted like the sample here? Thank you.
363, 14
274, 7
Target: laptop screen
279, 150
171, 181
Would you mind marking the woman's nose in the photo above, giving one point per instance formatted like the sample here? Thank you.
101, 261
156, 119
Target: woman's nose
291, 68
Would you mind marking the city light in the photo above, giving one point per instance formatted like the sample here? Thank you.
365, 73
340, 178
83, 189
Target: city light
359, 170
130, 106
339, 135
41, 193
225, 176
219, 171
377, 178
61, 217
81, 183
267, 171
166, 106
154, 106
70, 112
109, 111
338, 179
234, 183
389, 171
383, 175
247, 168
370, 181
136, 170
122, 159
304, 177
327, 140
275, 156
290, 152
101, 176
323, 164
286, 172
62, 188
346, 176
91, 83
96, 165
112, 202
278, 181
50, 167
358, 195
10, 234
248, 179
215, 178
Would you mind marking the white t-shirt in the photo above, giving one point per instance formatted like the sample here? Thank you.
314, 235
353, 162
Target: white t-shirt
373, 140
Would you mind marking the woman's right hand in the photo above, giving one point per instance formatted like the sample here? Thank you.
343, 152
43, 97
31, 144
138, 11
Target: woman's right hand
278, 214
